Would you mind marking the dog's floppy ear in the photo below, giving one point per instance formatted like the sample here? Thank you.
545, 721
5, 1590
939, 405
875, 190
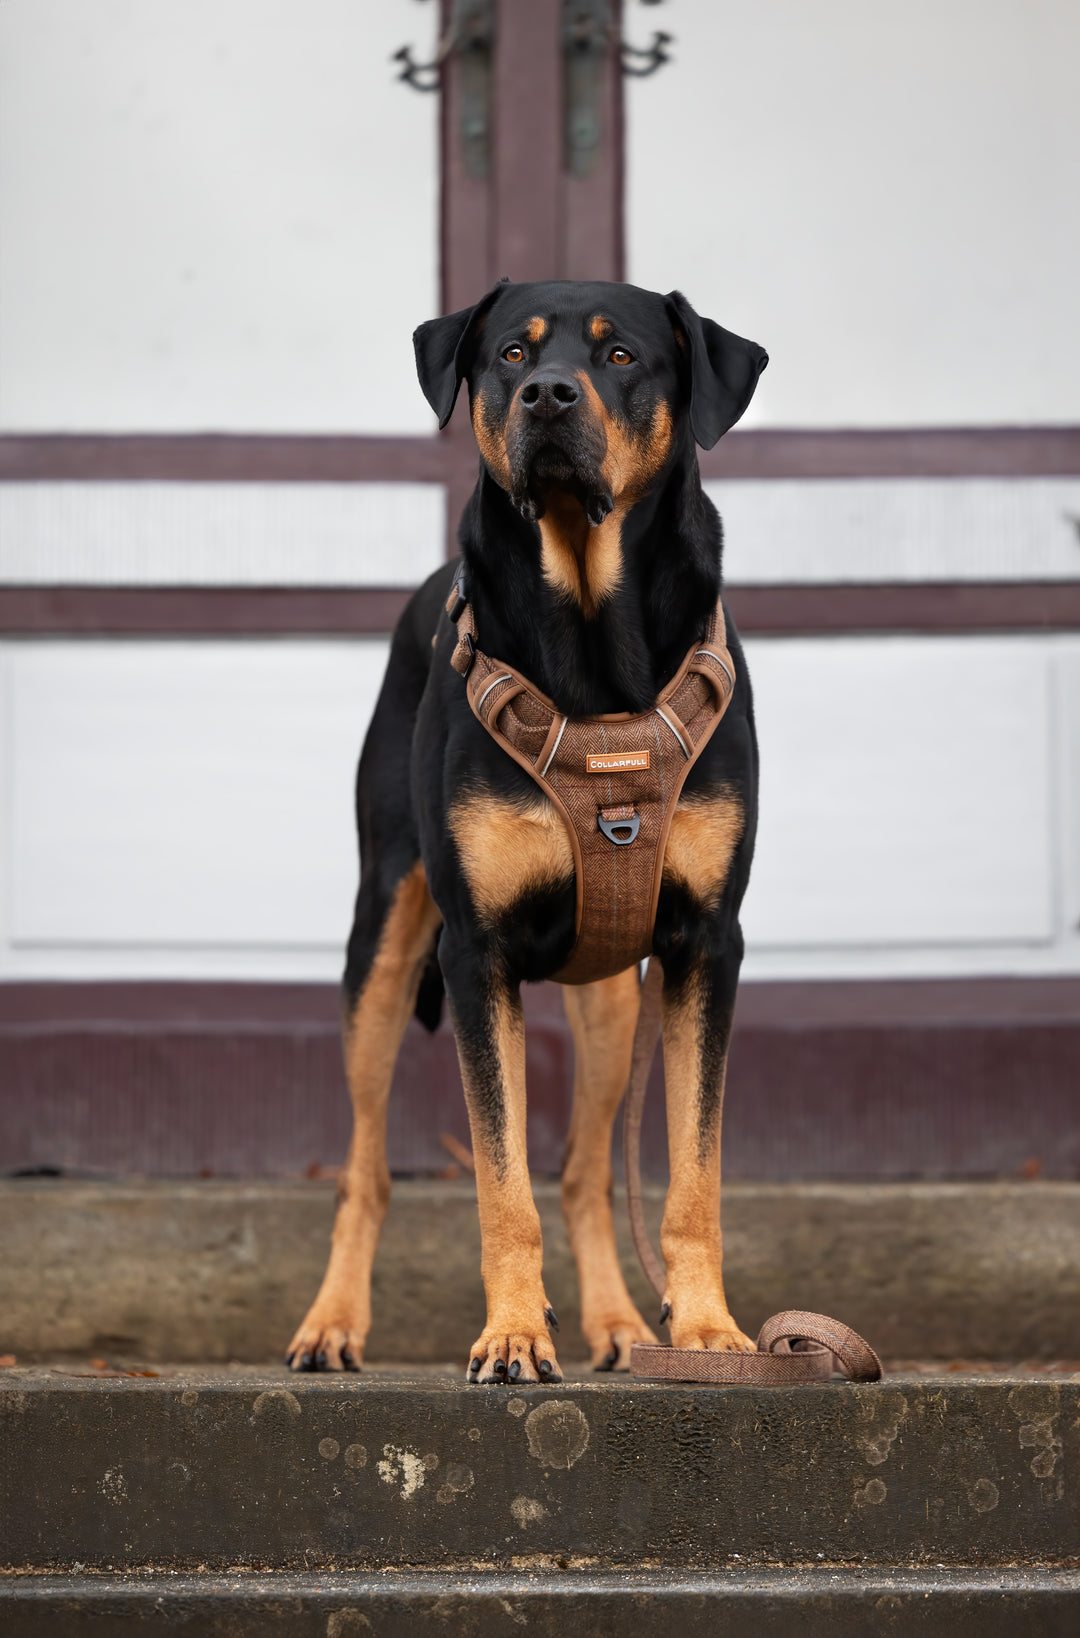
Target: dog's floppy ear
724, 370
443, 348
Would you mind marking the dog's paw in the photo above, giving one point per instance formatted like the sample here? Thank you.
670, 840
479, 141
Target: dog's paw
711, 1328
319, 1346
611, 1338
512, 1357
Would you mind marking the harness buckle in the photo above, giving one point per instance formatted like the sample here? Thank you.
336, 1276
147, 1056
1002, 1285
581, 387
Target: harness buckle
619, 820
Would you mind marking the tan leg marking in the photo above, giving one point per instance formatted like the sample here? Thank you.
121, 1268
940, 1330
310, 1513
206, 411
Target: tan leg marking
690, 1238
701, 844
340, 1317
506, 848
602, 1018
516, 1331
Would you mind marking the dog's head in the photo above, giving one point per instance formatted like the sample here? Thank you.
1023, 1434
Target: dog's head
579, 390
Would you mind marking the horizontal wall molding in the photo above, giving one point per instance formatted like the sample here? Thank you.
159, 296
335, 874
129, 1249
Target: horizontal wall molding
804, 610
951, 1078
1002, 452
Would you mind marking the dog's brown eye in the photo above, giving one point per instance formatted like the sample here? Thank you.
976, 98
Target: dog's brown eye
514, 354
619, 355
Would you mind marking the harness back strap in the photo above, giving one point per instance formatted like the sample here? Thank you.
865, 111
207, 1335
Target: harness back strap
614, 779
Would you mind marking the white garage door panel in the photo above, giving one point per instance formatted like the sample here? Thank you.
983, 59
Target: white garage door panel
905, 792
215, 215
186, 793
903, 529
221, 534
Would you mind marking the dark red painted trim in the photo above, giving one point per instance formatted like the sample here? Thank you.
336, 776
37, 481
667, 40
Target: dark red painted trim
969, 1077
175, 611
178, 611
1000, 1002
996, 452
219, 457
955, 606
943, 452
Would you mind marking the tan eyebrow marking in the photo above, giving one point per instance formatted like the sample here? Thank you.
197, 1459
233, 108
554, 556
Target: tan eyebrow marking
600, 328
535, 330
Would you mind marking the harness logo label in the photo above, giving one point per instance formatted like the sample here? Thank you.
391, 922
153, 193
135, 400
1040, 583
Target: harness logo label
615, 761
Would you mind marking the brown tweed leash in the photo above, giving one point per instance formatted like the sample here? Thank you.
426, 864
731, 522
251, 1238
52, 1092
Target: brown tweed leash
793, 1347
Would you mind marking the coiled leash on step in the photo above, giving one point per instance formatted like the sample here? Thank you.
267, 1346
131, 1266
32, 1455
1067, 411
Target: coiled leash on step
792, 1347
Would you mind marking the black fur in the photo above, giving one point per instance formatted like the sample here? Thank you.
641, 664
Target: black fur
425, 747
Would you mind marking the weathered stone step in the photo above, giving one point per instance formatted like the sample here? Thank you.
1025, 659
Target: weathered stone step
629, 1604
212, 1270
203, 1472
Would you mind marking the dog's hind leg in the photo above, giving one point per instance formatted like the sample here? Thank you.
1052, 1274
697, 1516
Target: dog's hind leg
602, 1017
397, 925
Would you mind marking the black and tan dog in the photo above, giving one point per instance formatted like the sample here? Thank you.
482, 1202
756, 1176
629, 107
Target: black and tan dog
592, 560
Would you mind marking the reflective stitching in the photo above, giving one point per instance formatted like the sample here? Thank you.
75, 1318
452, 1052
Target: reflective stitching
504, 678
554, 748
661, 713
720, 663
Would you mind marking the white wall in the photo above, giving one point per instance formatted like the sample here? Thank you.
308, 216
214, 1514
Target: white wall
884, 196
184, 809
213, 216
221, 534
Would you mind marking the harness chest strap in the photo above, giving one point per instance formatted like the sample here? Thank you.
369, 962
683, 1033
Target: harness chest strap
614, 779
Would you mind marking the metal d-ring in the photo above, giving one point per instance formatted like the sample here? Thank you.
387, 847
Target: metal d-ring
610, 826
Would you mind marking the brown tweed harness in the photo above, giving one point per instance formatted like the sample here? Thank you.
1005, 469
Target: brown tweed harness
614, 779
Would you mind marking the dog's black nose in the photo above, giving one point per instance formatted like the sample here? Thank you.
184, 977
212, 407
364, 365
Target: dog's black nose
547, 394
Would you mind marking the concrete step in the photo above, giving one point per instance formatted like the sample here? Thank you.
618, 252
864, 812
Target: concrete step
549, 1604
213, 1270
211, 1472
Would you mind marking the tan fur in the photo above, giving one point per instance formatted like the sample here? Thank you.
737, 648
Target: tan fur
578, 558
340, 1316
701, 845
690, 1238
491, 441
535, 330
600, 328
602, 1019
507, 848
582, 559
511, 1250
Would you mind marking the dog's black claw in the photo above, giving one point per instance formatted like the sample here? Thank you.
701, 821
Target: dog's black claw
320, 1360
289, 1358
545, 1368
551, 1317
348, 1361
608, 1361
665, 1313
474, 1366
499, 1367
515, 1370
305, 1361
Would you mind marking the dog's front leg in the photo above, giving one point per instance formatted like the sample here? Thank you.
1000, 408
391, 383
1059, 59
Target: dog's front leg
515, 1344
698, 1006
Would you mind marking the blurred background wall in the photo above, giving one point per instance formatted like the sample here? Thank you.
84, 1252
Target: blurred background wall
218, 479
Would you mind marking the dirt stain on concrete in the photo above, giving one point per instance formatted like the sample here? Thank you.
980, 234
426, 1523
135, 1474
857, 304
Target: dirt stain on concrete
557, 1432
